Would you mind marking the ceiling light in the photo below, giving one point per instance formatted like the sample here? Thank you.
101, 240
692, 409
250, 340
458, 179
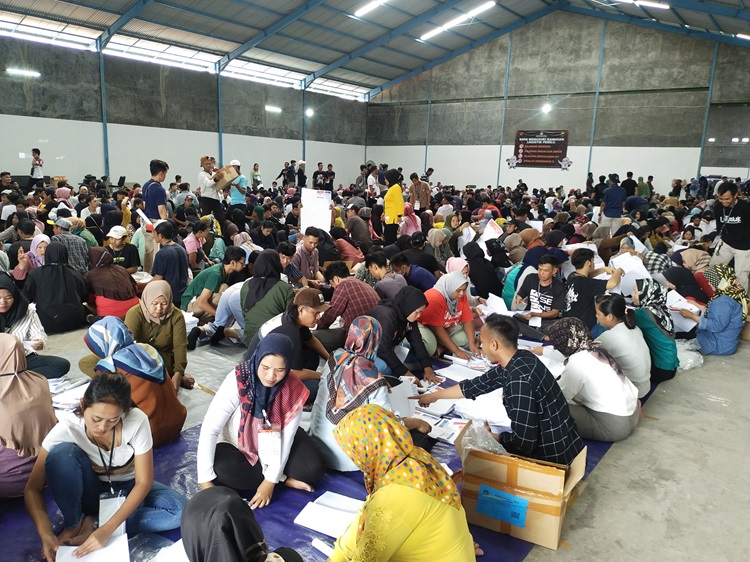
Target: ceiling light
369, 7
273, 109
743, 36
459, 20
657, 5
736, 139
712, 139
309, 112
546, 108
745, 139
21, 72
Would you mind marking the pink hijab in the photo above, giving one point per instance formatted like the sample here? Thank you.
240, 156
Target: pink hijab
455, 264
412, 223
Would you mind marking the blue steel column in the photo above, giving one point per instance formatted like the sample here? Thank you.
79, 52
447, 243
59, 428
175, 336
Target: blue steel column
596, 97
505, 107
708, 108
429, 110
105, 133
220, 117
304, 123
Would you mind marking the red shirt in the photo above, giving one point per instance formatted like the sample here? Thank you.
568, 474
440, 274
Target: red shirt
437, 313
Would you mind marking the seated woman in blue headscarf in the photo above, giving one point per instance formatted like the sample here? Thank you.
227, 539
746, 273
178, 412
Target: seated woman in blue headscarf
250, 438
114, 349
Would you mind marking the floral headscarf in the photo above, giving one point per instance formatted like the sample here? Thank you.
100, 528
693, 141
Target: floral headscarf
724, 282
571, 335
652, 296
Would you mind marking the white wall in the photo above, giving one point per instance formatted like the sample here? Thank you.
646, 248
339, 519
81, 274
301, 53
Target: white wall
346, 159
410, 158
69, 148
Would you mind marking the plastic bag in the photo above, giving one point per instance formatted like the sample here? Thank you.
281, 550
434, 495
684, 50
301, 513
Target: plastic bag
688, 352
477, 438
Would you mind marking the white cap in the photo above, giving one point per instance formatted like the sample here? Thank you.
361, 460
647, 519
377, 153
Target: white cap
301, 162
117, 232
235, 163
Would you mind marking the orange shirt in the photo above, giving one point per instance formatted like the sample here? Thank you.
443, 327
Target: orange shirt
437, 313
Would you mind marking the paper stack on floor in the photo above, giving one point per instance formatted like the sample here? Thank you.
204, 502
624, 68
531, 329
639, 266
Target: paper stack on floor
116, 550
331, 514
70, 399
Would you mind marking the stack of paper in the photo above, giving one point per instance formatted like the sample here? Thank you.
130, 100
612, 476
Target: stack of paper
634, 270
675, 302
69, 399
487, 407
331, 514
116, 550
496, 304
439, 408
61, 384
458, 373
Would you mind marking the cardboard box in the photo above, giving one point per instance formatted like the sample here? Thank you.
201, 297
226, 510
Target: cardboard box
54, 179
230, 174
518, 496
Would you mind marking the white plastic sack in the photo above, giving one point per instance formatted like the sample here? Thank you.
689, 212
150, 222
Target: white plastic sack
688, 352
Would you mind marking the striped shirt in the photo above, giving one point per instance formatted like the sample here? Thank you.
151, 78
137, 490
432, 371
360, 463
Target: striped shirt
29, 329
541, 424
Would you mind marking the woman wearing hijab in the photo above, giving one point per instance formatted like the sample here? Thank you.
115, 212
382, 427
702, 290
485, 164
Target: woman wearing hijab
115, 349
447, 324
683, 281
32, 259
398, 319
350, 380
154, 320
602, 400
721, 322
260, 403
346, 247
437, 246
265, 294
217, 524
377, 220
531, 238
78, 228
653, 318
515, 248
94, 226
555, 239
413, 510
411, 223
426, 221
112, 290
58, 291
336, 219
482, 274
26, 416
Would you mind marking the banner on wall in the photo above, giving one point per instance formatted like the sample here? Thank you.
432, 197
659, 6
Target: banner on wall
541, 149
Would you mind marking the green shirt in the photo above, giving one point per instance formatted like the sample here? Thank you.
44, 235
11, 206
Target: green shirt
210, 278
275, 302
88, 238
663, 348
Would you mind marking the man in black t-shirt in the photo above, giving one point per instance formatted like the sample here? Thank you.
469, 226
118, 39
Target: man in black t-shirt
170, 262
123, 254
583, 288
629, 185
543, 296
733, 223
319, 177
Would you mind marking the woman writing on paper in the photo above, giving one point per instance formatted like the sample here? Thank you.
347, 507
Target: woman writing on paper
653, 318
250, 438
105, 448
349, 380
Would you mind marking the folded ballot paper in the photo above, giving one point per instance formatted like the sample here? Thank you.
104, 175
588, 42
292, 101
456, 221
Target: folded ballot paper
331, 514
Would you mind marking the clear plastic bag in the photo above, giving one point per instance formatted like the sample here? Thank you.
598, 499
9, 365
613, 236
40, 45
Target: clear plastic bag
477, 438
688, 352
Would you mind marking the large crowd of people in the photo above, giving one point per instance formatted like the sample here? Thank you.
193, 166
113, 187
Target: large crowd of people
330, 318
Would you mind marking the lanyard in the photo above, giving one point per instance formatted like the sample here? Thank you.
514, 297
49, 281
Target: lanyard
111, 455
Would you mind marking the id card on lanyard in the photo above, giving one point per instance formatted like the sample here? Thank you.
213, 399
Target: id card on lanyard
110, 502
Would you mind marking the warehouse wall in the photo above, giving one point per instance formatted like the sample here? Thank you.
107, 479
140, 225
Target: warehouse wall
650, 116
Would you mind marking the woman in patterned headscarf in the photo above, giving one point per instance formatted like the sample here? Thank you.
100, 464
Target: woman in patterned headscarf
653, 318
722, 321
413, 510
603, 401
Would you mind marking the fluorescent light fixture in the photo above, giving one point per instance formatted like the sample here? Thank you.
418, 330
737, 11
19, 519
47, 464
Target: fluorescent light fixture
657, 5
711, 139
546, 108
21, 72
369, 7
459, 20
736, 139
743, 36
273, 109
745, 139
309, 112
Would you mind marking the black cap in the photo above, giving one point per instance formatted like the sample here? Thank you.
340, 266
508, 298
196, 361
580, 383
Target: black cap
418, 238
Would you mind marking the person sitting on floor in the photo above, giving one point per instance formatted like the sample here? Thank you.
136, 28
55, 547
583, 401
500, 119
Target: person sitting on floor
18, 317
264, 236
624, 340
257, 410
217, 524
112, 290
114, 349
306, 258
32, 259
413, 510
72, 461
351, 298
398, 319
721, 322
415, 275
58, 291
583, 288
417, 255
541, 425
26, 416
542, 295
387, 283
350, 379
447, 324
482, 274
123, 253
602, 400
204, 292
653, 318
346, 246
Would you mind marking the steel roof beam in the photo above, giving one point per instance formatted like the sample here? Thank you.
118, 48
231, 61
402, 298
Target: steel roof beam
121, 22
473, 45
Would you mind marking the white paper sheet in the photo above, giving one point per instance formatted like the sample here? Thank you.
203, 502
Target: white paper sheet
634, 270
342, 503
173, 553
323, 547
675, 301
316, 209
325, 520
439, 408
69, 399
458, 373
115, 551
596, 216
487, 407
399, 398
539, 225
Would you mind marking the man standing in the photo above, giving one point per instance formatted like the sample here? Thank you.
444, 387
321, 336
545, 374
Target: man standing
733, 222
419, 193
170, 262
36, 177
611, 206
428, 176
291, 175
319, 177
301, 175
237, 189
153, 192
78, 251
330, 178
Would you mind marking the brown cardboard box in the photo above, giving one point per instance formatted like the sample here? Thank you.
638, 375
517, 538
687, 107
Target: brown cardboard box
230, 174
54, 179
518, 496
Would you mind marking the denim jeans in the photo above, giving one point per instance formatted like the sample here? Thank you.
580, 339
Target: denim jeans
76, 488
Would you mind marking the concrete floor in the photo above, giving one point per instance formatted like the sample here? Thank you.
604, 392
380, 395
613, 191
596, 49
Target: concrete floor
677, 489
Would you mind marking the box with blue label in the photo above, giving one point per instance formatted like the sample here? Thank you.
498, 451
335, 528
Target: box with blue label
518, 496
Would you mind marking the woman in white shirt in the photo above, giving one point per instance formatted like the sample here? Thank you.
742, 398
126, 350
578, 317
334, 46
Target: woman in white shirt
603, 401
18, 317
250, 439
106, 448
210, 199
624, 340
